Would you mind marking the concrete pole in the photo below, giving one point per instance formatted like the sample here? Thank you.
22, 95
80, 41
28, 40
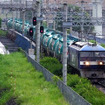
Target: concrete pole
23, 22
13, 19
32, 17
97, 13
21, 14
47, 22
23, 17
71, 22
38, 32
6, 20
65, 48
82, 19
47, 4
16, 14
12, 16
53, 24
54, 17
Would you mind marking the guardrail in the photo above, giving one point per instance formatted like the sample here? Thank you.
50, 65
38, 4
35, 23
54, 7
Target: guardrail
70, 95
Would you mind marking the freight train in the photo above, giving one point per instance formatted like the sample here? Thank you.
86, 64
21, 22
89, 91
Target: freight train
86, 57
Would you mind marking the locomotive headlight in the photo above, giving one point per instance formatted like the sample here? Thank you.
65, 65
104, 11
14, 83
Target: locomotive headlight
100, 63
87, 63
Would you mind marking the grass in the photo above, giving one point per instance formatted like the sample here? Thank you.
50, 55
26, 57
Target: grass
26, 84
3, 33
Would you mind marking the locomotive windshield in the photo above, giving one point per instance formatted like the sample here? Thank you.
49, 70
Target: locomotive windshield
92, 54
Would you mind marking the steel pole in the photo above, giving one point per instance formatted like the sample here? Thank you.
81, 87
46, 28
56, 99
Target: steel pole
38, 32
65, 47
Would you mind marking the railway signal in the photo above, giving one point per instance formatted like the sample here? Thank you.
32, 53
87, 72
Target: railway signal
41, 29
31, 31
34, 21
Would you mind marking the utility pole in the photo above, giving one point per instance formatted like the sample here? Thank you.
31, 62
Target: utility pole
23, 22
32, 17
82, 18
54, 16
54, 24
71, 21
38, 32
23, 17
47, 3
6, 20
12, 15
97, 14
18, 10
65, 47
21, 2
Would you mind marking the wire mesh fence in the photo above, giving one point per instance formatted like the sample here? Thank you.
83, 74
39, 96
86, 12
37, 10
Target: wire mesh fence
71, 96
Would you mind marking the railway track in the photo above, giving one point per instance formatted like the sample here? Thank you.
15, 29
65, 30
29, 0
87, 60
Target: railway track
10, 45
100, 85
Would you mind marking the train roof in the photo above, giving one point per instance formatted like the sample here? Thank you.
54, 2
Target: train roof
78, 45
92, 48
85, 46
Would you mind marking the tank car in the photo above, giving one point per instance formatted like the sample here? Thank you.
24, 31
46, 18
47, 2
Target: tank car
46, 37
52, 43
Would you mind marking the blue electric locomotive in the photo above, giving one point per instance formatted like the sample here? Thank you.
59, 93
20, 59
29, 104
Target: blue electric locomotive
88, 58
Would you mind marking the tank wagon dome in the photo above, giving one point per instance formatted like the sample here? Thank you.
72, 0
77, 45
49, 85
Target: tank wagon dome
56, 36
50, 33
46, 30
92, 48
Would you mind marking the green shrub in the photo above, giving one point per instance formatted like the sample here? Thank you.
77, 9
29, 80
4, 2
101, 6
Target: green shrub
73, 80
103, 45
84, 88
93, 41
52, 64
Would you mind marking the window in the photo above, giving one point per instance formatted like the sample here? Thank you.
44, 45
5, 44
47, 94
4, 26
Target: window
92, 54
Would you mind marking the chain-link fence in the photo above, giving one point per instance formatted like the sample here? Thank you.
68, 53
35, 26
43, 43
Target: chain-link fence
71, 96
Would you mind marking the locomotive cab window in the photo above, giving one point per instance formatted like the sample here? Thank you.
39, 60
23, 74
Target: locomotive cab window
92, 54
